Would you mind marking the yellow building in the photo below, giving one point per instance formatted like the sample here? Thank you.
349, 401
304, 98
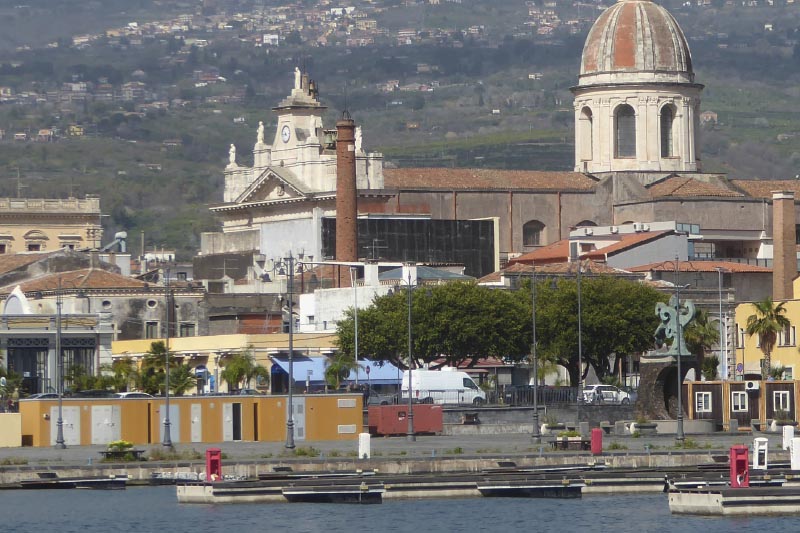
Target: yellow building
39, 225
206, 355
193, 419
748, 354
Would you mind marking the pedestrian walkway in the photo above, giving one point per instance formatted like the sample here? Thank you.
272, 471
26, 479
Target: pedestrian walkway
425, 446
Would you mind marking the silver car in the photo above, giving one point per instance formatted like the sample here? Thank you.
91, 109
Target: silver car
605, 394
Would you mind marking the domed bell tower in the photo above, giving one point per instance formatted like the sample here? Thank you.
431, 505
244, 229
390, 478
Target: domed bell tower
636, 102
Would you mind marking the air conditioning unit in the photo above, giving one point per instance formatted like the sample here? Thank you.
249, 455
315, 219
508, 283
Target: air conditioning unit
751, 385
638, 226
588, 231
613, 229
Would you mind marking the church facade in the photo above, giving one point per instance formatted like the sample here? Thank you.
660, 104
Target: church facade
637, 160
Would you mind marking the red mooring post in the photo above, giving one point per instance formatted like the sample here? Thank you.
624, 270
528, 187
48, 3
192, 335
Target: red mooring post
597, 441
740, 466
213, 464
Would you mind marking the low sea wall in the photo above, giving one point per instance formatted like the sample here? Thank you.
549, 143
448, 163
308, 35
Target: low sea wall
398, 465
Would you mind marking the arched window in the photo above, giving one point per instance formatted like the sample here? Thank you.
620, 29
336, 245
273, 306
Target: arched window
586, 223
667, 123
625, 131
585, 125
532, 233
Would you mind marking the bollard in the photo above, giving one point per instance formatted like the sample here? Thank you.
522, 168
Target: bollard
364, 446
788, 435
760, 453
740, 473
795, 453
597, 441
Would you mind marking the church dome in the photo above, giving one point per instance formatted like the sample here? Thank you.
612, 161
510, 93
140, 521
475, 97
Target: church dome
635, 41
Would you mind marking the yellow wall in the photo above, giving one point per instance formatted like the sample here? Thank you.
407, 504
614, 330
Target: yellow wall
10, 430
784, 354
327, 417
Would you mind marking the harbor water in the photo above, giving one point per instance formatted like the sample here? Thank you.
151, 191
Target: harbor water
155, 509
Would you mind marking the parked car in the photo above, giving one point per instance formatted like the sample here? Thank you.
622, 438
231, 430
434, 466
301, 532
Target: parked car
133, 395
248, 392
608, 394
378, 398
42, 396
94, 393
518, 395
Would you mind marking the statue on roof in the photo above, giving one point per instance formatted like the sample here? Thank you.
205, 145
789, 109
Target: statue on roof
260, 133
232, 154
297, 78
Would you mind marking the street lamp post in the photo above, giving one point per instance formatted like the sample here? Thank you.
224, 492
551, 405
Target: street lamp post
679, 435
410, 436
723, 348
290, 404
537, 436
167, 442
60, 444
354, 279
580, 344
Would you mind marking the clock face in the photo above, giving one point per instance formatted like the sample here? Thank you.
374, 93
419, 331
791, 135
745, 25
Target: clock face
285, 134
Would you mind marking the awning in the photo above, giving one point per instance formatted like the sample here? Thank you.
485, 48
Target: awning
380, 373
303, 367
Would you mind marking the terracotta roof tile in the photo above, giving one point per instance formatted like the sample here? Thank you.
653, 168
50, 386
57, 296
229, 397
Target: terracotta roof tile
89, 278
559, 251
764, 188
683, 186
9, 262
700, 266
471, 178
564, 268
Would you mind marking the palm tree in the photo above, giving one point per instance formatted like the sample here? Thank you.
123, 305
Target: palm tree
767, 321
701, 334
338, 368
241, 369
181, 379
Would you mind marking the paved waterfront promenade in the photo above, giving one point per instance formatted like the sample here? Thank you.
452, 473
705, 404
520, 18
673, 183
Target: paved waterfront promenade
499, 445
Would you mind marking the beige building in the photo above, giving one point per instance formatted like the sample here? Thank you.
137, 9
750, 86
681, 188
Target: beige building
40, 225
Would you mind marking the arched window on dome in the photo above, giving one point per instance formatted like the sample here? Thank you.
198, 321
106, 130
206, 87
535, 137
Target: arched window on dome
532, 233
667, 131
625, 131
585, 131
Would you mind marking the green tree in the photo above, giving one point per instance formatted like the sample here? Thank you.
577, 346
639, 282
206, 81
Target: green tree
452, 323
769, 318
701, 334
617, 318
181, 380
709, 367
338, 368
124, 373
153, 373
240, 369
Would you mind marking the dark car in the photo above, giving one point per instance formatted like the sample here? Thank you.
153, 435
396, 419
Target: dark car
94, 393
518, 395
378, 398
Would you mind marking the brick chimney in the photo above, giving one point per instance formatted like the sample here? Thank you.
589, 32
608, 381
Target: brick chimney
346, 191
784, 247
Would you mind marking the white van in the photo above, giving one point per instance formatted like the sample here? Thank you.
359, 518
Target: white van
447, 385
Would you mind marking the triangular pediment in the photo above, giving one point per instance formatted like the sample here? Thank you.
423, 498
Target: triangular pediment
273, 184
